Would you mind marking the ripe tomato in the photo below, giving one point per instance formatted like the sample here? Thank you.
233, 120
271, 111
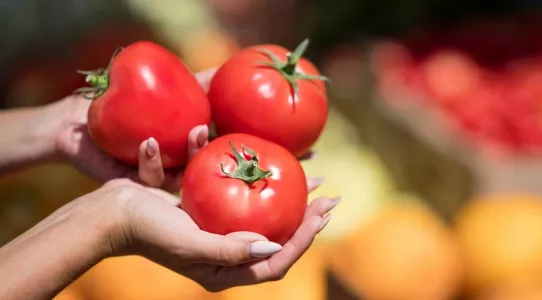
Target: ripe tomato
145, 92
268, 92
227, 187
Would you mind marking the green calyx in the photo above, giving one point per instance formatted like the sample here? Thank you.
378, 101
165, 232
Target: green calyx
288, 68
98, 79
247, 170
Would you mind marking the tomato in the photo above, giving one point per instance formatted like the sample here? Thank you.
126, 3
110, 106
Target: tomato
146, 92
268, 92
241, 182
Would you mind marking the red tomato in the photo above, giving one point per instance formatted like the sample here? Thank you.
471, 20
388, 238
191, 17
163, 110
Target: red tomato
254, 93
146, 92
263, 192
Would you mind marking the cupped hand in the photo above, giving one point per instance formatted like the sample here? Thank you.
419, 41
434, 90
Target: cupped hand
156, 228
160, 231
74, 143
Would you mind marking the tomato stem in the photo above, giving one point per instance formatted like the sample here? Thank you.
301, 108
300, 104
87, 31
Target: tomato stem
288, 68
247, 170
98, 79
293, 58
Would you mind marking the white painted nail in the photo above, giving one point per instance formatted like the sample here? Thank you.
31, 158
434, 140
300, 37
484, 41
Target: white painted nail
333, 203
324, 222
152, 147
263, 248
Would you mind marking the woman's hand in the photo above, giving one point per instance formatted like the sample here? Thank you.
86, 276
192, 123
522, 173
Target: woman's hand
158, 230
73, 142
123, 217
171, 238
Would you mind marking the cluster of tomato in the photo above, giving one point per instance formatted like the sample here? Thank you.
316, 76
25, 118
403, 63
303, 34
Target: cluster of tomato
268, 107
485, 77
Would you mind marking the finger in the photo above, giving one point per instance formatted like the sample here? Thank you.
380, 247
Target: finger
229, 250
321, 206
314, 182
204, 78
197, 139
277, 266
151, 171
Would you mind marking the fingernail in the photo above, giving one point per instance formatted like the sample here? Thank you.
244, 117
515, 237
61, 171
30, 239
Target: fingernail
324, 222
152, 147
203, 135
332, 203
263, 248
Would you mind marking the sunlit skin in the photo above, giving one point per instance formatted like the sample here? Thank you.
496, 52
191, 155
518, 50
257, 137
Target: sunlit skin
249, 97
273, 206
151, 93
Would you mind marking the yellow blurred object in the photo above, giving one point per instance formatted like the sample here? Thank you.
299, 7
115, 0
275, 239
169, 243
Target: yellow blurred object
208, 48
305, 281
501, 238
522, 290
136, 278
351, 171
404, 253
69, 294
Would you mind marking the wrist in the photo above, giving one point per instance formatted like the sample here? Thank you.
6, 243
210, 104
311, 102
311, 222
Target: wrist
57, 250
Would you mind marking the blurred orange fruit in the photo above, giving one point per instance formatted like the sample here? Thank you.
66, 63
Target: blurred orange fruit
522, 290
69, 294
306, 280
501, 239
404, 253
207, 48
136, 278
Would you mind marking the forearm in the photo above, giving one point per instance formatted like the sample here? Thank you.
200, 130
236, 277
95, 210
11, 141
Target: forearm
44, 260
27, 136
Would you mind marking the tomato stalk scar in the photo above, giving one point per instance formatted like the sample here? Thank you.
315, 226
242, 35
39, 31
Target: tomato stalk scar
247, 170
288, 68
98, 79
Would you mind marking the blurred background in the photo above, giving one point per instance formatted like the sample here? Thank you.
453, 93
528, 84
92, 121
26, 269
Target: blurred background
434, 139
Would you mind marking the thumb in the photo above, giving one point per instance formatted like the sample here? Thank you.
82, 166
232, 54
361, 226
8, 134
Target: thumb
232, 249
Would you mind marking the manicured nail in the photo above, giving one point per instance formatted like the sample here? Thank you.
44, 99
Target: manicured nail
203, 135
263, 248
324, 222
332, 203
152, 147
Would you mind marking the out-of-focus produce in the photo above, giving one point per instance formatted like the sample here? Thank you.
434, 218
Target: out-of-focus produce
352, 171
521, 290
501, 240
403, 253
135, 278
305, 280
482, 76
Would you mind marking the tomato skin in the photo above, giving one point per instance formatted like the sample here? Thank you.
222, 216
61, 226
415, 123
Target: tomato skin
151, 94
273, 207
249, 98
